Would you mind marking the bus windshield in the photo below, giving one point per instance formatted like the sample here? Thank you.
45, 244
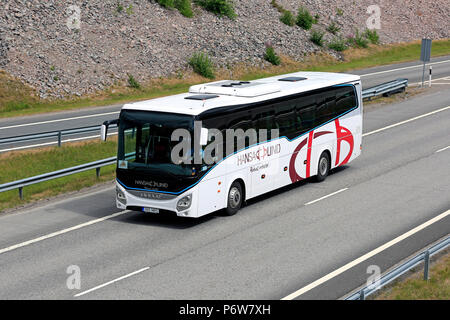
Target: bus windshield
145, 142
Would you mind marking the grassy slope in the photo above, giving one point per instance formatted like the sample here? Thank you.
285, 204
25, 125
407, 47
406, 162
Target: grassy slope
23, 164
415, 288
16, 99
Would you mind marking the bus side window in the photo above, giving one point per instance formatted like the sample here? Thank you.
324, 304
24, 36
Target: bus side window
286, 119
242, 120
306, 107
265, 120
326, 106
345, 99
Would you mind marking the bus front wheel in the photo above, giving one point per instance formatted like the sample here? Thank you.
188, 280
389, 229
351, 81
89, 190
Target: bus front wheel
235, 198
323, 168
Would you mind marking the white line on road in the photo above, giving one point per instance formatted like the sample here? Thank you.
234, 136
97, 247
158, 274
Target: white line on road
54, 142
405, 68
57, 233
440, 150
372, 253
406, 121
324, 197
427, 82
111, 282
59, 120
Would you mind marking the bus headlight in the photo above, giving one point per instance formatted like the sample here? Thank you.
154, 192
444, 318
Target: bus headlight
184, 203
121, 196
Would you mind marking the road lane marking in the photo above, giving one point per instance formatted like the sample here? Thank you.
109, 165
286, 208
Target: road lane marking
440, 150
54, 142
57, 233
404, 68
111, 282
372, 253
427, 82
405, 121
324, 197
59, 120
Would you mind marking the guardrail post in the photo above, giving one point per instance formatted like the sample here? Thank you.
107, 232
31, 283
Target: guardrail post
97, 171
426, 265
21, 193
362, 295
59, 138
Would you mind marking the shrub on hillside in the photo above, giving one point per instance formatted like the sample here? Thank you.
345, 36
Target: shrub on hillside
185, 7
219, 7
202, 65
133, 83
372, 36
271, 56
287, 18
304, 18
333, 28
338, 44
317, 37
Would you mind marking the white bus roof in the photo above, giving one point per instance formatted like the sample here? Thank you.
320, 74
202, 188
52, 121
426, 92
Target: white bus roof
223, 93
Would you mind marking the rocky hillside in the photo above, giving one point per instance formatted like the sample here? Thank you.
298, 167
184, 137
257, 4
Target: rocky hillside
41, 44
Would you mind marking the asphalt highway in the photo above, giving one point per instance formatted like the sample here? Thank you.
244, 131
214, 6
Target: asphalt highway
95, 116
275, 246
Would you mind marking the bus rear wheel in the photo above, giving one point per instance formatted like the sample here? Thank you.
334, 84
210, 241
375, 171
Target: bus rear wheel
235, 198
323, 168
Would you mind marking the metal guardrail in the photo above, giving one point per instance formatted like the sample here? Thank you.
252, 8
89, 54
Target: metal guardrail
52, 134
424, 256
386, 88
20, 184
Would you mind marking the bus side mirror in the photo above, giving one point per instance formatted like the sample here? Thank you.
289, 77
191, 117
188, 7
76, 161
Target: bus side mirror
204, 137
104, 132
104, 128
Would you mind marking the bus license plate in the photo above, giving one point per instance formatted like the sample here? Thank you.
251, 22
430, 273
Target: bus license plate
151, 210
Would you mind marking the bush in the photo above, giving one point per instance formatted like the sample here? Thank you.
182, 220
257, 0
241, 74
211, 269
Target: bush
338, 44
287, 18
333, 28
167, 3
304, 18
185, 7
202, 64
339, 12
219, 7
317, 37
372, 36
316, 18
359, 41
271, 56
132, 82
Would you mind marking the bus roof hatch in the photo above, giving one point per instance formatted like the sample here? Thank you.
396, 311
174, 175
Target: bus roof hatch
236, 88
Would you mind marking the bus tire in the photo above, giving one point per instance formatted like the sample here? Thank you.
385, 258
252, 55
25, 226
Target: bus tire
234, 199
323, 167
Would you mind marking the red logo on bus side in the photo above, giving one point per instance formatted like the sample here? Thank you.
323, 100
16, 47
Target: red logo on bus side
342, 134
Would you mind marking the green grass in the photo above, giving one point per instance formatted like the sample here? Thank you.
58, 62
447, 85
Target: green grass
415, 288
16, 99
19, 165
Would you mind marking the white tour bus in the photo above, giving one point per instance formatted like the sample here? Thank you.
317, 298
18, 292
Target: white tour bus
318, 117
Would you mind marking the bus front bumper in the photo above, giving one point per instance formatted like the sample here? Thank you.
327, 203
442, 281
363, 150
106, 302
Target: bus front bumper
184, 205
